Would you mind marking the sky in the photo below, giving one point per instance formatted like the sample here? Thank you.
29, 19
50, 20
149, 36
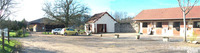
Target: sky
32, 9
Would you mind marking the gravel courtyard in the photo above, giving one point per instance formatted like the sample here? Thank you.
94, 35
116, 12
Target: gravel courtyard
39, 43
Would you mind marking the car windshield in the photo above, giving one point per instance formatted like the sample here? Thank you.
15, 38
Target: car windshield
57, 29
70, 29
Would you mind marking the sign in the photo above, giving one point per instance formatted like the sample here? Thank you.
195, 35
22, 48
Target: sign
5, 32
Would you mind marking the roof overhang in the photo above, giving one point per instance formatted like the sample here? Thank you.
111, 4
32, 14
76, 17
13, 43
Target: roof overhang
162, 19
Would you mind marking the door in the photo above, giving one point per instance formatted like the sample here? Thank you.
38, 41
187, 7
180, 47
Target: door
165, 28
70, 31
101, 28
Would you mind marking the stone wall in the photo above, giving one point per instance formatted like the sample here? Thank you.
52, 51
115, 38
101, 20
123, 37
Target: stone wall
125, 28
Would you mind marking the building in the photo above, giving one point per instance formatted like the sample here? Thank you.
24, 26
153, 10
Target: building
43, 24
168, 21
100, 23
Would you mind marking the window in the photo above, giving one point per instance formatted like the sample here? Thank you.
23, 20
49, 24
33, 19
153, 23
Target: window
144, 24
176, 24
159, 24
70, 29
196, 25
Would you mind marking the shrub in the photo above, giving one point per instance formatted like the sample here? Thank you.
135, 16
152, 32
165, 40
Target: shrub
19, 33
193, 37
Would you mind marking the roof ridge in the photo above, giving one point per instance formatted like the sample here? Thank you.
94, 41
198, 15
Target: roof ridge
167, 8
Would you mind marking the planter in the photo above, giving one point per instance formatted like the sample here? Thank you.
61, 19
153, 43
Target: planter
194, 42
166, 39
101, 35
116, 35
137, 36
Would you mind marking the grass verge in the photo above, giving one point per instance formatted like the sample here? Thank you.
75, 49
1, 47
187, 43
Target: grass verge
47, 33
13, 34
9, 47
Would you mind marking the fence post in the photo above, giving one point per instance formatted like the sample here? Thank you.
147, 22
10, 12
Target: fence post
23, 32
8, 36
2, 39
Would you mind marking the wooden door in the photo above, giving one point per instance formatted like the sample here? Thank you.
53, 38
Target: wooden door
101, 28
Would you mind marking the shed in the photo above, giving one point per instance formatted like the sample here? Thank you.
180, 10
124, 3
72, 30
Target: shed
100, 23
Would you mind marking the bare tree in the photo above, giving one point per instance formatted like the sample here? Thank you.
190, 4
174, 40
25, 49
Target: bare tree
186, 6
120, 15
65, 11
5, 8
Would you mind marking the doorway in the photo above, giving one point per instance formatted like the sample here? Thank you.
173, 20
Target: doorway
101, 28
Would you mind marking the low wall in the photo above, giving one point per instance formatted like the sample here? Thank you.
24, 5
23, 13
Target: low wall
124, 28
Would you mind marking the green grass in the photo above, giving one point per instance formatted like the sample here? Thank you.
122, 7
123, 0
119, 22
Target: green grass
47, 33
9, 47
13, 34
81, 31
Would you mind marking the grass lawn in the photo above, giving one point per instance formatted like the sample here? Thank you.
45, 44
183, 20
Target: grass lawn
13, 34
47, 33
9, 47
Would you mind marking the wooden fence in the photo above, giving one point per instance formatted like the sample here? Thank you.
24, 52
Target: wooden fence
4, 33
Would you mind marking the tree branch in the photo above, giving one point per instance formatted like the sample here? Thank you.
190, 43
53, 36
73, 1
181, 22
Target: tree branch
190, 8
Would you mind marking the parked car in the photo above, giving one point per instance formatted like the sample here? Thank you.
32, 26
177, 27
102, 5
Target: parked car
68, 31
56, 31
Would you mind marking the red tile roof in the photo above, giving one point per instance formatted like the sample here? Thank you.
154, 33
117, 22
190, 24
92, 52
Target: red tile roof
97, 16
167, 13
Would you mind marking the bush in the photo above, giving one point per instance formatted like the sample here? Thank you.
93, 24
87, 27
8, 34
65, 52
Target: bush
19, 33
193, 37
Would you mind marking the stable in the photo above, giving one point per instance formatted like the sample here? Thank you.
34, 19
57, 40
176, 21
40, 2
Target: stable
168, 21
100, 23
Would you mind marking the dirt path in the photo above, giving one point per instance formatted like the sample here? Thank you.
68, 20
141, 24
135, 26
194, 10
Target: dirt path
38, 43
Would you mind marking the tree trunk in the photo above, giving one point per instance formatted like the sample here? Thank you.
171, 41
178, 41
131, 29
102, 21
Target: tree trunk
23, 32
184, 22
2, 39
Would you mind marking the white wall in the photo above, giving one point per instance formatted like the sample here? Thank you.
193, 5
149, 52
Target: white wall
92, 27
106, 19
141, 31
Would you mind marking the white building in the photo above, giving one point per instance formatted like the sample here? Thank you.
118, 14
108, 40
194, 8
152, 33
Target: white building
100, 23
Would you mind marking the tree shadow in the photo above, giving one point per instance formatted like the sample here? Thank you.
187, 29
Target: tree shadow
36, 50
164, 51
79, 35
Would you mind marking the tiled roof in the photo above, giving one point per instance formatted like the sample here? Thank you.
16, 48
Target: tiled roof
39, 20
97, 16
44, 21
167, 13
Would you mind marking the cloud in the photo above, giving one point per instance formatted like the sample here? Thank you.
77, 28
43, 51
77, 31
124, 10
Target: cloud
30, 10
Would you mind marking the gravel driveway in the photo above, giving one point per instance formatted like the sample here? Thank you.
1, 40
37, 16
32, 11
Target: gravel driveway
39, 43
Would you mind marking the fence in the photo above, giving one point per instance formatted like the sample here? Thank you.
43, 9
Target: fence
4, 33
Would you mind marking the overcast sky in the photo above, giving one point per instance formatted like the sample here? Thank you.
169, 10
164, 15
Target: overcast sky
32, 9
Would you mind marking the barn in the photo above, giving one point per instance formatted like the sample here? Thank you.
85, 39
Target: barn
43, 24
100, 23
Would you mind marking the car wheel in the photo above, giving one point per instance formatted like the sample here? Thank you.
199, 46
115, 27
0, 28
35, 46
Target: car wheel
65, 34
76, 34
